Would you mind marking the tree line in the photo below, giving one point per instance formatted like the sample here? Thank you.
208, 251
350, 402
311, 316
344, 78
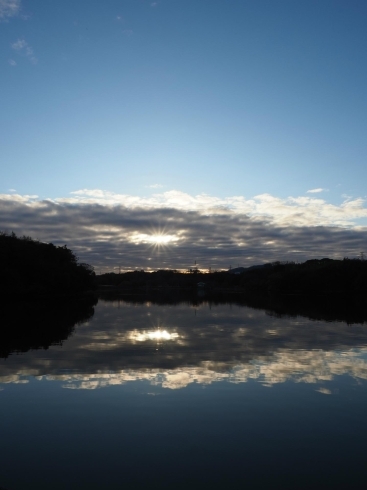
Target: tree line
347, 276
31, 268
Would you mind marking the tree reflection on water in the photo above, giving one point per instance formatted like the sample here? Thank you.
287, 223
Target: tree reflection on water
38, 324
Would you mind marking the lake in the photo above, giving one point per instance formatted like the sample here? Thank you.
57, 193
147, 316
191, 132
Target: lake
141, 392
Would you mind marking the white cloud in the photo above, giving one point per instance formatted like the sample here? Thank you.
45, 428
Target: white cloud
9, 8
17, 198
292, 211
23, 48
12, 63
315, 191
154, 186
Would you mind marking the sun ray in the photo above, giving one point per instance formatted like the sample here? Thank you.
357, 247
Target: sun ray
156, 238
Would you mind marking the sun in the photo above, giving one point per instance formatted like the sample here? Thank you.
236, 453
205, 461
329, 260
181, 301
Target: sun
156, 239
161, 239
157, 335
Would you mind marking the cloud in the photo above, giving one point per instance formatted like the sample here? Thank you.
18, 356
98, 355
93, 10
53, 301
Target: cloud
315, 191
9, 8
154, 186
293, 211
108, 230
23, 48
12, 63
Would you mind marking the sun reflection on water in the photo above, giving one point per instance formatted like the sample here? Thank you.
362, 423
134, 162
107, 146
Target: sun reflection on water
158, 335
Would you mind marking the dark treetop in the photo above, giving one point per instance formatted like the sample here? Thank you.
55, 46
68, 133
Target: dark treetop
34, 269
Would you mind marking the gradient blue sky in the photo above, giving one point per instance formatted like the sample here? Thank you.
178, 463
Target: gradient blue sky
218, 97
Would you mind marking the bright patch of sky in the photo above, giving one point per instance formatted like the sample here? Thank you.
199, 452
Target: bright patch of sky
225, 98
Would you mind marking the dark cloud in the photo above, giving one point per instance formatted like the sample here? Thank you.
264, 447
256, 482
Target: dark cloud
103, 235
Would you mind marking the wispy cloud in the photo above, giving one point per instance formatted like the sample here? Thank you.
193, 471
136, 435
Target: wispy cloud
9, 8
107, 229
154, 186
12, 63
23, 48
315, 191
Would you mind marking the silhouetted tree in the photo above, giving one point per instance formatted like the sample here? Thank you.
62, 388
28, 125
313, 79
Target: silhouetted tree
32, 268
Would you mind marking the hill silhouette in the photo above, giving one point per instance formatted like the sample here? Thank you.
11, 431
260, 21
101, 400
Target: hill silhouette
324, 276
30, 268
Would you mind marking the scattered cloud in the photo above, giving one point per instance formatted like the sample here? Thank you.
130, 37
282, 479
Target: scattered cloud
128, 32
154, 4
9, 8
12, 63
154, 186
12, 190
23, 48
19, 45
170, 229
315, 191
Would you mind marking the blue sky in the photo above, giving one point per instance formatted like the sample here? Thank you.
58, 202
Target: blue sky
222, 98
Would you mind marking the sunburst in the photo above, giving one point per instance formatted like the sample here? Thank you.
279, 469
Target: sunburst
156, 238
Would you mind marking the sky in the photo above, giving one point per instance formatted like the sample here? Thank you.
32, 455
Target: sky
153, 134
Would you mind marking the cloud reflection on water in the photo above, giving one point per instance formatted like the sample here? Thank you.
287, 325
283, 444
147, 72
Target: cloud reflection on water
174, 346
296, 366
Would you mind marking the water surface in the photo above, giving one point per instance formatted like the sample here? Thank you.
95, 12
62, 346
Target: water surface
143, 394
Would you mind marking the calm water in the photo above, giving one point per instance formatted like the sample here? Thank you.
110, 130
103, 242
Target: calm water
133, 395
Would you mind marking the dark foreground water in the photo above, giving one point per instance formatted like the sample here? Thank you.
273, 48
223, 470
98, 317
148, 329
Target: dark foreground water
140, 395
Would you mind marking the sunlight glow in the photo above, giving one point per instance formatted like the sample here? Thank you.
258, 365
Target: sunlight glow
156, 239
153, 335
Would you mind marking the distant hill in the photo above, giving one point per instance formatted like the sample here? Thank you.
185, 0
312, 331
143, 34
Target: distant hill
347, 276
240, 270
313, 276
